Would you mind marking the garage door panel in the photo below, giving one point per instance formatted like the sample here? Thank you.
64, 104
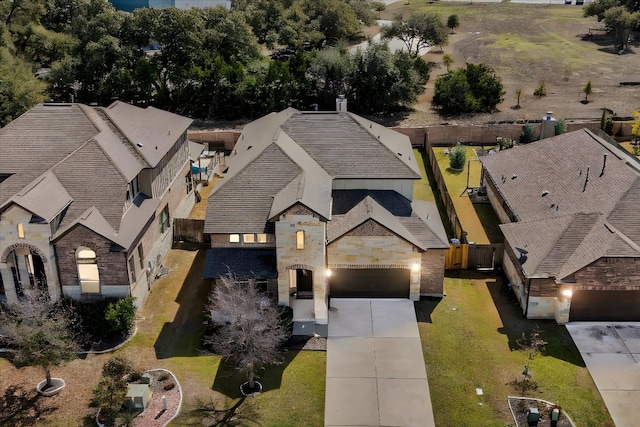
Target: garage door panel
605, 306
369, 283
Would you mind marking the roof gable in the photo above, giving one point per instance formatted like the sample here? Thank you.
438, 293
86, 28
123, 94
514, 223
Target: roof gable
45, 197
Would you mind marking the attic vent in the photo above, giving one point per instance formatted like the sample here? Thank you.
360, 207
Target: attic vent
400, 154
514, 176
139, 145
249, 147
545, 193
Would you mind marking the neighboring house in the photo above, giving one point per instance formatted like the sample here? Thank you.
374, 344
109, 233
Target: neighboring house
131, 5
317, 204
569, 208
87, 195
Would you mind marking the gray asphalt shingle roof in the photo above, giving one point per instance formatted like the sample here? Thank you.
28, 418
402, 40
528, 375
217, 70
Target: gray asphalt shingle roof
574, 196
79, 157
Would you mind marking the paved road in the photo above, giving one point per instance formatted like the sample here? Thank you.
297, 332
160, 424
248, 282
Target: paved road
611, 351
375, 367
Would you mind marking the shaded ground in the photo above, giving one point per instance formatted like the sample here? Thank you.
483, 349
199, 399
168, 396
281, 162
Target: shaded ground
527, 44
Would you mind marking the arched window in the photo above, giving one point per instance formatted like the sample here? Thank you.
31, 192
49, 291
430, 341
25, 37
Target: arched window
88, 275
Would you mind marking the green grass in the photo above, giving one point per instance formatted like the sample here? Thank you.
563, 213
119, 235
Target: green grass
469, 341
456, 182
422, 189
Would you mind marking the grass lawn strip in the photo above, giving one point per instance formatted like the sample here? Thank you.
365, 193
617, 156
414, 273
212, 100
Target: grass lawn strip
456, 182
470, 343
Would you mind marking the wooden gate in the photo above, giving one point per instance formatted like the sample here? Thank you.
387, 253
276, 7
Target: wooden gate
189, 230
462, 256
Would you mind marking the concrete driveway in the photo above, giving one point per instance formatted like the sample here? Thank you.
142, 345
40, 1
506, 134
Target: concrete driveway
375, 367
611, 351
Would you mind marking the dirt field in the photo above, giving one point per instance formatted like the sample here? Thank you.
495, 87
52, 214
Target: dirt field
527, 44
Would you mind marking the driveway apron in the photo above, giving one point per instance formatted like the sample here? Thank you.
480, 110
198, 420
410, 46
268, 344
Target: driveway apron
611, 351
375, 367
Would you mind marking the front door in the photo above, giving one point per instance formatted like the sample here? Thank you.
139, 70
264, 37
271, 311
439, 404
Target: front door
304, 284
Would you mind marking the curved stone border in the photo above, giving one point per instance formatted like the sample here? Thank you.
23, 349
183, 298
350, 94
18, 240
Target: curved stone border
537, 400
57, 384
112, 349
179, 390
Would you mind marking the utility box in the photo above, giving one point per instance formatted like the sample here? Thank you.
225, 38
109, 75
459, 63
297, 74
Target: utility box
533, 416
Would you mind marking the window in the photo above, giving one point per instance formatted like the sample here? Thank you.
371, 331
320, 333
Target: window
88, 274
20, 231
300, 239
132, 268
234, 238
189, 180
262, 238
140, 256
35, 219
164, 219
132, 190
249, 238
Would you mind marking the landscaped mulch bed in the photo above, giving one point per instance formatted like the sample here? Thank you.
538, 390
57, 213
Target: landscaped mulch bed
304, 342
154, 415
520, 407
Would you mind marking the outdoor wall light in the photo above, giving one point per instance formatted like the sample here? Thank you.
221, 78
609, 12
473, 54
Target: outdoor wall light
327, 273
567, 293
415, 268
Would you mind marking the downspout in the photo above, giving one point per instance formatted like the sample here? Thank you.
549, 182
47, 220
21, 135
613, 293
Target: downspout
526, 309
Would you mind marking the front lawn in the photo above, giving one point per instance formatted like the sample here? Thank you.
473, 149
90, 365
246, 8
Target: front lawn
469, 341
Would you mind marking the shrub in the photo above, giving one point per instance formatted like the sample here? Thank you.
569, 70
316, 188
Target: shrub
527, 134
168, 386
473, 89
561, 127
121, 315
541, 90
506, 143
457, 157
163, 377
608, 125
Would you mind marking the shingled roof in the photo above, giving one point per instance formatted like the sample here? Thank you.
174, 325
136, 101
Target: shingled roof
72, 156
292, 157
574, 198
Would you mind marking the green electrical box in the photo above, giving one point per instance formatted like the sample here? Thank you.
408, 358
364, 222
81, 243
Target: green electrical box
555, 414
533, 416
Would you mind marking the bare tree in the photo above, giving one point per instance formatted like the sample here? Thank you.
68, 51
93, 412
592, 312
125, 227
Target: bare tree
40, 332
532, 345
249, 330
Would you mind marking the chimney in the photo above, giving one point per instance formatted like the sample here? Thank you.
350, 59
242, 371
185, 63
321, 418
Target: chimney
548, 126
341, 104
604, 164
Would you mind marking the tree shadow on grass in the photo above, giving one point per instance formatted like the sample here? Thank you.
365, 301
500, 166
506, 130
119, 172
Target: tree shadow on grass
182, 336
228, 379
559, 345
22, 407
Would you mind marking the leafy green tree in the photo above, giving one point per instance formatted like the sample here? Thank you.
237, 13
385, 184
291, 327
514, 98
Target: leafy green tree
587, 89
527, 135
19, 88
448, 60
473, 89
421, 30
519, 94
331, 70
110, 393
457, 157
453, 22
40, 331
121, 316
379, 6
620, 22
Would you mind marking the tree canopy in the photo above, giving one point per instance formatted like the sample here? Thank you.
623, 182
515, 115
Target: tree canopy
421, 30
619, 16
473, 89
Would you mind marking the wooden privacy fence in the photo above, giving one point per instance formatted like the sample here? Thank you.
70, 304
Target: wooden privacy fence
444, 196
189, 230
462, 256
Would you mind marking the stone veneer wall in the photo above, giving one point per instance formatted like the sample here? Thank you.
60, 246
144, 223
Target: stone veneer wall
36, 240
312, 257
